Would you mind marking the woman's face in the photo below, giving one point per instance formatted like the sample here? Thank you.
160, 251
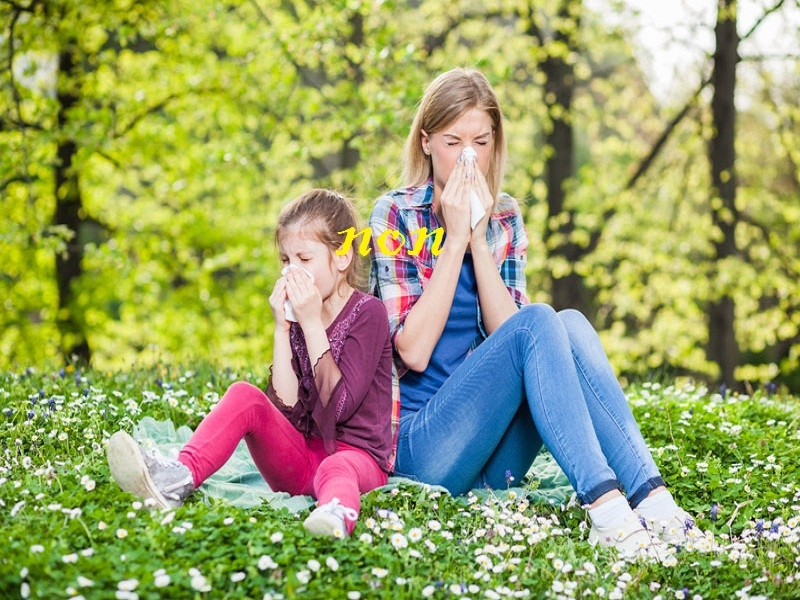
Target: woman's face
473, 128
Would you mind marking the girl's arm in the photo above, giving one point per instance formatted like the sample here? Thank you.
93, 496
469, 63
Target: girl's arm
283, 378
307, 307
342, 387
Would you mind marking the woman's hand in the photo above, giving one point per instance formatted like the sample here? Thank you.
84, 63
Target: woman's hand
455, 201
481, 189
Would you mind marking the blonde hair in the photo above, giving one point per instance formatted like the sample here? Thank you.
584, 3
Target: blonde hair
325, 213
448, 97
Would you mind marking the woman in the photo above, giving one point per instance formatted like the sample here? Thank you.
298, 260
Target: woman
485, 378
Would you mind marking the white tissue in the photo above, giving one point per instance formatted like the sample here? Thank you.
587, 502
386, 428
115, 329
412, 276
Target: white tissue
469, 153
476, 210
287, 306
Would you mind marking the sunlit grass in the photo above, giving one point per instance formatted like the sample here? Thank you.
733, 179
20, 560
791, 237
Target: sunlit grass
69, 532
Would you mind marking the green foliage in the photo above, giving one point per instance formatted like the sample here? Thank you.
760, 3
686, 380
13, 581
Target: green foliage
194, 122
69, 530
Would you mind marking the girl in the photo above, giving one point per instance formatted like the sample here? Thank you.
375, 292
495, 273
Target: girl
323, 427
485, 378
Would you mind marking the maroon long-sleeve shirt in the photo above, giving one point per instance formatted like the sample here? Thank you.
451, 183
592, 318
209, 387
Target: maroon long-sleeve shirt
359, 407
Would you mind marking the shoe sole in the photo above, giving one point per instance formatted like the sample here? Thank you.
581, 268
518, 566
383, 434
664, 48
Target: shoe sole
129, 471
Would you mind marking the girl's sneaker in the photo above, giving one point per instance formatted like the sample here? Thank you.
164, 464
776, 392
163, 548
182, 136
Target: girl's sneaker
148, 475
329, 519
631, 539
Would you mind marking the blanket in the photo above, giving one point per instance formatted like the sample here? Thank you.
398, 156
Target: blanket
239, 482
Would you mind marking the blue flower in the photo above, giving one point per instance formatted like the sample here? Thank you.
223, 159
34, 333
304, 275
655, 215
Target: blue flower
760, 526
714, 512
509, 477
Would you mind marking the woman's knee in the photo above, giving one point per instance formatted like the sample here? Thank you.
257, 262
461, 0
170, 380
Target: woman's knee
578, 326
573, 318
537, 315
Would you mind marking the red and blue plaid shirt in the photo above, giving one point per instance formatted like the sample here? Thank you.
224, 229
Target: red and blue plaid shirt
399, 279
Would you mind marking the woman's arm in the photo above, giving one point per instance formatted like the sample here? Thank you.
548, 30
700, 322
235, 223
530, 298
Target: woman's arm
425, 321
497, 304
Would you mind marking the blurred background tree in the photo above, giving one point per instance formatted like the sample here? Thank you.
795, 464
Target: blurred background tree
146, 148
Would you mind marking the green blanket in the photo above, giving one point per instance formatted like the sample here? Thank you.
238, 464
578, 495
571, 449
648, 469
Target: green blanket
239, 482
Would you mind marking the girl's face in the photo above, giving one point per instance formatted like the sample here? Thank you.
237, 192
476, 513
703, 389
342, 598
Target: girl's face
299, 246
473, 128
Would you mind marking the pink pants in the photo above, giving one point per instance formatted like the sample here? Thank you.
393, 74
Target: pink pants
286, 459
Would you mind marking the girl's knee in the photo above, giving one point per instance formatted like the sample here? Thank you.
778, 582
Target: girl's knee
244, 395
242, 388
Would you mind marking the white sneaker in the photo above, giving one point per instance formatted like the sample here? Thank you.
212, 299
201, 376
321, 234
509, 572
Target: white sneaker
168, 482
631, 539
673, 530
328, 519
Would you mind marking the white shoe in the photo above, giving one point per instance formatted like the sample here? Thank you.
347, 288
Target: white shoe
673, 530
631, 539
329, 519
168, 482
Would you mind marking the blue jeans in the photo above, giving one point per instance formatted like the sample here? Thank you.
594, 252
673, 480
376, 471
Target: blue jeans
541, 377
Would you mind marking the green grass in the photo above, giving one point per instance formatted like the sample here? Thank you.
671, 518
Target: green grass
69, 532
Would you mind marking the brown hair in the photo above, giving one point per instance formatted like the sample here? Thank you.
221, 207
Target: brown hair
449, 96
326, 213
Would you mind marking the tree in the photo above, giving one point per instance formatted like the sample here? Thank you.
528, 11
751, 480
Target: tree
722, 345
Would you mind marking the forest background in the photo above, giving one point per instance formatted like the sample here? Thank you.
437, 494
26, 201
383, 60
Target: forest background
146, 148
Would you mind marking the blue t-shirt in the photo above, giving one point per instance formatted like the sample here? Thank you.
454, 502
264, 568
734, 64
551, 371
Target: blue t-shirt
461, 334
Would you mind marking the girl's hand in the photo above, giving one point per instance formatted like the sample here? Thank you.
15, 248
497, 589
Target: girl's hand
277, 301
455, 201
304, 296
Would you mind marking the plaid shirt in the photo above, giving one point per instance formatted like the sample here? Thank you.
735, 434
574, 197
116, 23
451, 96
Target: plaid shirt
399, 279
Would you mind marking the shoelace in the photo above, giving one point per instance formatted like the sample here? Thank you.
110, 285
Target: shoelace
343, 512
157, 459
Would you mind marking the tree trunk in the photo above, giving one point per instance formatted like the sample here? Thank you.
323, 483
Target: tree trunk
722, 346
569, 291
68, 213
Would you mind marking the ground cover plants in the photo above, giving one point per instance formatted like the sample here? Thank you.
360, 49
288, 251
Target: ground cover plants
69, 532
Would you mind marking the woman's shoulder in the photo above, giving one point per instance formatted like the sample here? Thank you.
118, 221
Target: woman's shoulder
414, 196
506, 205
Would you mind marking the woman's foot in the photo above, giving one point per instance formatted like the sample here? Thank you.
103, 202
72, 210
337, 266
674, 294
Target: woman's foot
148, 475
631, 539
675, 529
665, 518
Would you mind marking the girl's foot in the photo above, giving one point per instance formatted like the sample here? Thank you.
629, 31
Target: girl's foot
168, 482
329, 519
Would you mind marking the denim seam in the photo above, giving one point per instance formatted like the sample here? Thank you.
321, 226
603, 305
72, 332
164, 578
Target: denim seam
602, 405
